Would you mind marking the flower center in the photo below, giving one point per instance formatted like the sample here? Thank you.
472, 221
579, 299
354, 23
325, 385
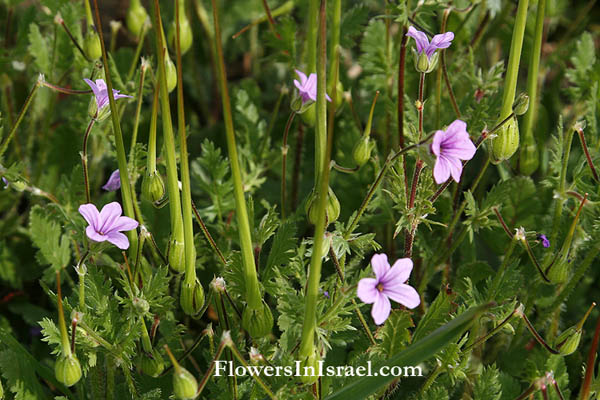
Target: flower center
380, 287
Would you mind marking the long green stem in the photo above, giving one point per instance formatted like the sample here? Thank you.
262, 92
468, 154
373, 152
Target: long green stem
284, 151
86, 181
314, 276
253, 296
126, 190
64, 336
138, 110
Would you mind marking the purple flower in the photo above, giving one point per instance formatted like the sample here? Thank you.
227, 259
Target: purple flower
5, 182
101, 93
389, 283
114, 182
440, 41
450, 147
544, 239
307, 87
107, 224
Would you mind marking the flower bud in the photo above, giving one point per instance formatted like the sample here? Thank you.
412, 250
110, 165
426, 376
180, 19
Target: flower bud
309, 114
136, 17
362, 150
258, 322
185, 385
332, 210
141, 305
192, 297
186, 36
171, 74
568, 341
529, 157
151, 364
506, 143
177, 255
153, 188
423, 63
91, 44
521, 104
309, 369
67, 370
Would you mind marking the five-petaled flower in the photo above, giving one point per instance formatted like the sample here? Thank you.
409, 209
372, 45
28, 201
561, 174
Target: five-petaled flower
114, 182
450, 147
307, 87
389, 283
544, 239
426, 57
101, 98
107, 224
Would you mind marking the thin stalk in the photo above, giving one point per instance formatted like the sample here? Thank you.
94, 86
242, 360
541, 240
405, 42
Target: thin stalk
138, 110
64, 336
584, 393
64, 90
186, 191
270, 19
284, 151
241, 359
151, 156
74, 40
297, 164
282, 9
211, 367
562, 182
401, 67
126, 190
26, 105
492, 332
420, 103
207, 234
312, 291
587, 153
138, 51
537, 336
84, 160
253, 295
363, 323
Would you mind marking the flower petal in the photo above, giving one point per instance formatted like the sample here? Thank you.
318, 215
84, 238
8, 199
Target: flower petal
91, 214
455, 168
420, 39
403, 294
93, 86
367, 290
381, 309
441, 170
442, 41
380, 265
399, 272
436, 144
114, 182
311, 86
108, 216
124, 224
118, 239
93, 235
302, 77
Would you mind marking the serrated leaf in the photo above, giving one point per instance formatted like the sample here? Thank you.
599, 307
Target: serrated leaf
38, 48
437, 314
487, 386
46, 235
394, 335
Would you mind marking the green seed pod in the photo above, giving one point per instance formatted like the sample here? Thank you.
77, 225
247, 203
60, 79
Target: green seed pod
362, 150
136, 18
339, 93
151, 365
186, 35
332, 210
521, 104
153, 188
171, 73
258, 322
423, 63
309, 115
529, 157
177, 255
507, 142
91, 44
185, 385
568, 341
309, 369
67, 370
559, 271
192, 297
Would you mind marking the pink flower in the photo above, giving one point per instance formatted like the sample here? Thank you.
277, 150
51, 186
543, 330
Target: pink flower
101, 92
389, 283
307, 87
107, 224
450, 147
440, 41
114, 182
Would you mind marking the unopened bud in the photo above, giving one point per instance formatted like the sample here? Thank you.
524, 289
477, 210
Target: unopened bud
362, 150
192, 297
332, 210
521, 104
185, 385
186, 36
153, 188
141, 305
171, 73
506, 143
136, 17
258, 322
91, 44
67, 370
423, 63
177, 255
310, 368
152, 364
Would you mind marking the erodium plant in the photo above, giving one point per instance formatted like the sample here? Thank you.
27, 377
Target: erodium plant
286, 199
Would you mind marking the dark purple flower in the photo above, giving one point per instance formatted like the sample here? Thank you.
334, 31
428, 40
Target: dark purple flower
440, 41
544, 239
389, 283
5, 182
326, 294
450, 147
107, 224
114, 182
307, 87
101, 93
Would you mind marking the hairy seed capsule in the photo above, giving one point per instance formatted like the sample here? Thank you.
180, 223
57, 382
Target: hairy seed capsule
568, 341
362, 150
171, 73
67, 370
91, 45
507, 142
152, 366
153, 188
309, 369
177, 255
258, 322
309, 115
185, 385
186, 35
192, 298
135, 18
332, 209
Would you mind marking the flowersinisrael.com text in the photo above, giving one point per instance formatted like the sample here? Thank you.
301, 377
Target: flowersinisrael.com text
227, 368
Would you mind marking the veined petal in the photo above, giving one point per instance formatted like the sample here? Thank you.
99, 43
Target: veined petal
93, 235
403, 294
420, 39
399, 272
93, 86
441, 170
463, 149
118, 239
302, 77
91, 214
123, 224
367, 290
101, 85
381, 309
108, 216
380, 265
455, 168
436, 144
114, 182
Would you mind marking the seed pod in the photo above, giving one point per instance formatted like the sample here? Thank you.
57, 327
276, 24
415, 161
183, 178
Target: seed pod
332, 209
309, 115
67, 370
568, 341
521, 104
362, 150
171, 73
507, 142
153, 188
192, 297
309, 369
136, 17
339, 93
185, 385
177, 255
91, 44
186, 35
151, 365
423, 63
258, 322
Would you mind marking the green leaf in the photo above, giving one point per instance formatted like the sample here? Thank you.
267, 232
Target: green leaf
414, 354
45, 234
487, 386
394, 335
38, 48
437, 314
